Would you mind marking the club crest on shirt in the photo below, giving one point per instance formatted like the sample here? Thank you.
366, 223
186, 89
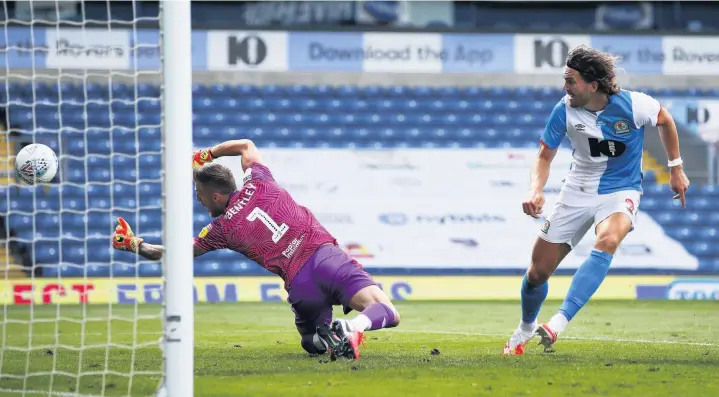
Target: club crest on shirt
621, 127
204, 231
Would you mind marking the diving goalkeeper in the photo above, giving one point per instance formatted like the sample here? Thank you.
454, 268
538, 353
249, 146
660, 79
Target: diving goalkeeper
263, 222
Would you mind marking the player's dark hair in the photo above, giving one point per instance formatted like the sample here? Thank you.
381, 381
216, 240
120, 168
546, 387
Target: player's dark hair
594, 65
216, 177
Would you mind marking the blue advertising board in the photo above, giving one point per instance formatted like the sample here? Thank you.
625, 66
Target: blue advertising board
393, 52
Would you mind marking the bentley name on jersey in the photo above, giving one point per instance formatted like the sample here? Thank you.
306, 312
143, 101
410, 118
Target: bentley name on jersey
607, 144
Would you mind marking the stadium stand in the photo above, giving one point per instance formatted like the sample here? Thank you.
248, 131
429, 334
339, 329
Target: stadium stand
409, 129
275, 116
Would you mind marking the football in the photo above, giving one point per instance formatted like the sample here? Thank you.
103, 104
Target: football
36, 163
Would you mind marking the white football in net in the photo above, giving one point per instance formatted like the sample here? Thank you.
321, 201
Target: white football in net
36, 163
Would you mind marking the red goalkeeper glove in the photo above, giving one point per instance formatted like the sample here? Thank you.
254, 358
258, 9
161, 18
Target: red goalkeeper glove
123, 239
201, 158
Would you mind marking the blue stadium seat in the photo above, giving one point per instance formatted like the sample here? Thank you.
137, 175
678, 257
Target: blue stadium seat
713, 218
63, 270
702, 249
148, 133
124, 190
97, 270
125, 269
150, 166
659, 191
651, 204
709, 264
682, 233
709, 234
710, 191
45, 251
150, 219
73, 221
148, 104
209, 269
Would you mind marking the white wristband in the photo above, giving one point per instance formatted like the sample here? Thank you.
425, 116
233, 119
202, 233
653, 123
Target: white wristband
675, 163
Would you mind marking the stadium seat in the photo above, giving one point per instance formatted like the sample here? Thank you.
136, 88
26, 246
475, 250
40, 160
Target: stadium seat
150, 270
63, 270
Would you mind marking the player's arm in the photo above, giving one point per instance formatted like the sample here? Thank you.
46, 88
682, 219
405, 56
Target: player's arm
554, 132
541, 168
532, 206
237, 147
154, 252
669, 136
125, 240
648, 110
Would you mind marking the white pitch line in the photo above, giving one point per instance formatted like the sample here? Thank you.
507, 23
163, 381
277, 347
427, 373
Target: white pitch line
600, 338
416, 331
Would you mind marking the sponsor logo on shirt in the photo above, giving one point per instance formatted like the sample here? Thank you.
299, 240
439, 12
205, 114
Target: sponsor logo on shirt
204, 231
292, 247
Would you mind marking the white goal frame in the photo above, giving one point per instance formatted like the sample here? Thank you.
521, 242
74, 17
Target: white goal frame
178, 257
176, 375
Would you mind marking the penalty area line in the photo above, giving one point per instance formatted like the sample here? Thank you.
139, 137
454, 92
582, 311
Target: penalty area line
578, 338
412, 331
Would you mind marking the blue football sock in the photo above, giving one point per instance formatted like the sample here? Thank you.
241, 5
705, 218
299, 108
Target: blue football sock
585, 282
532, 298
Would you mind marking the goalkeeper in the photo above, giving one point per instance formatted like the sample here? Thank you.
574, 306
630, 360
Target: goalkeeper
263, 222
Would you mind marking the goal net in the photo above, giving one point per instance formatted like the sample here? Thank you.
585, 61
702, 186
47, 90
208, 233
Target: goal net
78, 317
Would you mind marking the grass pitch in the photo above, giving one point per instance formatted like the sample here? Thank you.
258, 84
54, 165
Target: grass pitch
628, 348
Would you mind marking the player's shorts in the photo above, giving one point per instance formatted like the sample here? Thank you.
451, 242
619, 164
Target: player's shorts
576, 211
330, 277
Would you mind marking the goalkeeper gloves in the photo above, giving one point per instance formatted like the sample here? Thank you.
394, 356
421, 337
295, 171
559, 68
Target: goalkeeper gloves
123, 239
201, 158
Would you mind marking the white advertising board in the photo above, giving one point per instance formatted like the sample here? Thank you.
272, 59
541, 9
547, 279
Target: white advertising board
246, 51
686, 55
443, 208
88, 48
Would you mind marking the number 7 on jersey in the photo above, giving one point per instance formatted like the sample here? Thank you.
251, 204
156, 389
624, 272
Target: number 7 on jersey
277, 230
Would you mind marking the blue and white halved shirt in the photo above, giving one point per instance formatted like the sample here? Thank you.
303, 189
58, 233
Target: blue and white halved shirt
608, 144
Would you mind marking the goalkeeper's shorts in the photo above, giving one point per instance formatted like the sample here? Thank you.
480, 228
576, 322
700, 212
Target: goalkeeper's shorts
330, 277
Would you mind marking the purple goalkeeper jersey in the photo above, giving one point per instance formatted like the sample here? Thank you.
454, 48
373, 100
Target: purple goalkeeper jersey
265, 224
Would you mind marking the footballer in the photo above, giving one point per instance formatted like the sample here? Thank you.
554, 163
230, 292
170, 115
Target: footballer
260, 220
602, 190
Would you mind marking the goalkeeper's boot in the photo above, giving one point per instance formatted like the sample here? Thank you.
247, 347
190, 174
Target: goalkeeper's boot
350, 337
547, 337
326, 341
515, 345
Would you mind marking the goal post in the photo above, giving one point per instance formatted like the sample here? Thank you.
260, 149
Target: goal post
178, 260
110, 90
